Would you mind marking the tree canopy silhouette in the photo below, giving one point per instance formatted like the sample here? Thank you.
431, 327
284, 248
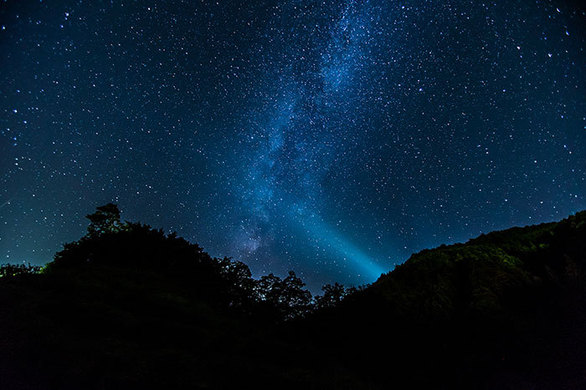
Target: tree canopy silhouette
129, 306
106, 219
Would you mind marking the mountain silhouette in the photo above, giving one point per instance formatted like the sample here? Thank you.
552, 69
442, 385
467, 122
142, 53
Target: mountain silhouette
128, 306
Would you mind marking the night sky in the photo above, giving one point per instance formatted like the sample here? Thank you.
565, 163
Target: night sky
333, 138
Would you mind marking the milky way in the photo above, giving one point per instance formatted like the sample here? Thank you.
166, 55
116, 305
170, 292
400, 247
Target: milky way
333, 138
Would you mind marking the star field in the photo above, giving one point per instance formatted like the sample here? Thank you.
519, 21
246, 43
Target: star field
334, 138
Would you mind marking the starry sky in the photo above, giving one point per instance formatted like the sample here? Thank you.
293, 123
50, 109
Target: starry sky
333, 138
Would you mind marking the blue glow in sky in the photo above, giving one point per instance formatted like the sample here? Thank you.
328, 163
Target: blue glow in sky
332, 138
325, 238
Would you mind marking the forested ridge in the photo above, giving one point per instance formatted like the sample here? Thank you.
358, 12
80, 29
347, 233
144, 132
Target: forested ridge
128, 306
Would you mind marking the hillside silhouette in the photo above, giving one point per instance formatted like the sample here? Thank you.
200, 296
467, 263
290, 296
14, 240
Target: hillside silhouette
128, 306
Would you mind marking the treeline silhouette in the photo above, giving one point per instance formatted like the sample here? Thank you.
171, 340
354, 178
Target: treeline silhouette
221, 282
128, 306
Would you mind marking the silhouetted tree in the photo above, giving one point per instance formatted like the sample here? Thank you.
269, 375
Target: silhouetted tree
240, 281
332, 296
237, 272
296, 297
105, 220
287, 296
268, 289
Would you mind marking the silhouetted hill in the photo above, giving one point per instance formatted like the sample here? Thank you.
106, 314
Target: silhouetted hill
504, 310
129, 307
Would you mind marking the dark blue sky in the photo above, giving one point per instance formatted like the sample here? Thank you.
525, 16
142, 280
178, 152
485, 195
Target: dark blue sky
333, 138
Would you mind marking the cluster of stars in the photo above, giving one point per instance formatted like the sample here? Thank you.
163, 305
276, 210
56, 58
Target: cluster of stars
333, 138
